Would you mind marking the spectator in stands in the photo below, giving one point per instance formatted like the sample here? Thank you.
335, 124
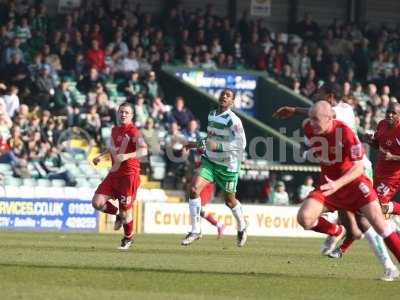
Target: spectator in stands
89, 82
151, 138
287, 76
153, 88
95, 56
44, 88
141, 111
16, 72
65, 103
11, 100
191, 132
180, 114
305, 188
23, 31
174, 150
51, 167
12, 51
208, 62
128, 64
158, 110
92, 123
133, 87
280, 196
67, 59
307, 29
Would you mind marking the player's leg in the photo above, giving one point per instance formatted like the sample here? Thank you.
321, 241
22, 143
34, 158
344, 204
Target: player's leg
103, 195
309, 217
353, 232
386, 188
377, 245
237, 211
127, 187
102, 203
205, 195
374, 215
200, 181
228, 181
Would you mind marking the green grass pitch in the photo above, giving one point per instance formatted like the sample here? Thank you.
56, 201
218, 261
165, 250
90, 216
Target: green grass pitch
88, 266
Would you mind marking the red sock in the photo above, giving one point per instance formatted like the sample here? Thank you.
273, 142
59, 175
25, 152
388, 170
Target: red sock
393, 243
210, 218
346, 244
110, 208
324, 226
128, 229
396, 208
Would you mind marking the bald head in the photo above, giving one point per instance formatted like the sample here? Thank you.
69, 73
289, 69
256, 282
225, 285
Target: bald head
321, 117
322, 108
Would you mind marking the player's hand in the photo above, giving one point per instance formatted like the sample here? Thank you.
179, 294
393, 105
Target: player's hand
369, 138
96, 160
189, 146
284, 112
120, 158
389, 156
211, 145
330, 187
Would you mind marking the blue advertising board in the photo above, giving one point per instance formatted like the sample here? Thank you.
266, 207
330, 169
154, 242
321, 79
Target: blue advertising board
213, 82
47, 214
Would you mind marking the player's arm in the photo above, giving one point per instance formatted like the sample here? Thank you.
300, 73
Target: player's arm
109, 151
331, 186
141, 150
286, 112
354, 151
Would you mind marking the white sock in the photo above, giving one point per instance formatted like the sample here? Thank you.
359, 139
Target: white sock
194, 208
377, 245
238, 214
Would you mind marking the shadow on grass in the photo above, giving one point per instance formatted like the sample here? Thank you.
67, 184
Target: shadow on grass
168, 271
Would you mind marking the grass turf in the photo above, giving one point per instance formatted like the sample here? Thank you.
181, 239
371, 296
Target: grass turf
88, 266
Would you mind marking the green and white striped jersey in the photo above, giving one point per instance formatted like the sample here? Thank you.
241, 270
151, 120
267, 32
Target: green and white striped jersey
226, 130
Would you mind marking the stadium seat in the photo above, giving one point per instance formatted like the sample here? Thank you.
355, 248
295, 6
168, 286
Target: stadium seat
57, 183
29, 182
43, 182
12, 181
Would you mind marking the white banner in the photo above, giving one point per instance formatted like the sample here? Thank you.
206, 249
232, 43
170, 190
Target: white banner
262, 220
260, 8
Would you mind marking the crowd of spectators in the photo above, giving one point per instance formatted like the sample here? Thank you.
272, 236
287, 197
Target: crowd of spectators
59, 71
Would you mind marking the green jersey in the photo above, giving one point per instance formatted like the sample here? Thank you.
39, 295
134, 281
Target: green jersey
226, 130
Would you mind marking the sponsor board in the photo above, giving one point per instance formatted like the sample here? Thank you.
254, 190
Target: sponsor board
262, 220
214, 82
47, 214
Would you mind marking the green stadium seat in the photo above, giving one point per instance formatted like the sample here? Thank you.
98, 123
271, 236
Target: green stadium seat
12, 181
58, 183
42, 182
31, 182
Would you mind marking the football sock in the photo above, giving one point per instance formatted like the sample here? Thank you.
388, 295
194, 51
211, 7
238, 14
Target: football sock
209, 217
324, 226
238, 214
128, 229
377, 245
392, 240
346, 244
110, 208
194, 209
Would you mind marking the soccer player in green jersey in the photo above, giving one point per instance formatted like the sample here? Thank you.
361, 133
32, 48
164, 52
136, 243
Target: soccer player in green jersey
220, 164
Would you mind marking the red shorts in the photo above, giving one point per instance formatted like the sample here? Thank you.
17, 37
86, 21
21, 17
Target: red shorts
386, 187
123, 188
207, 193
351, 197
